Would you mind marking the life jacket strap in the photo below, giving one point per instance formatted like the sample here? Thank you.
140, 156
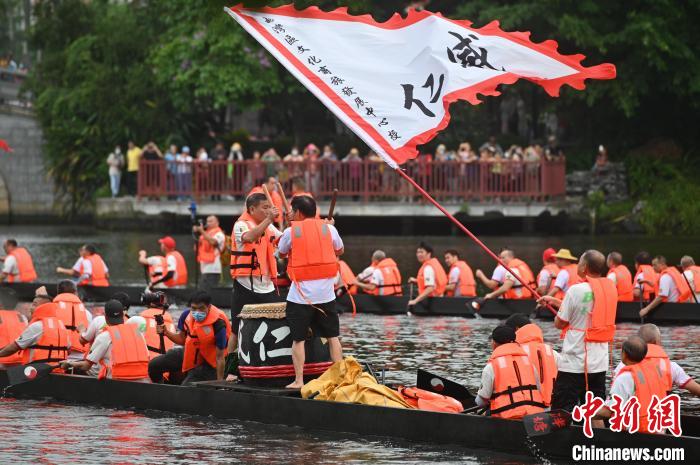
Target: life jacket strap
518, 404
511, 390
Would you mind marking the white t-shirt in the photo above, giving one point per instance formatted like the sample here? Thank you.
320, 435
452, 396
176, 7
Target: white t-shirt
668, 289
31, 335
562, 281
86, 266
678, 375
366, 274
428, 276
544, 279
215, 266
316, 291
101, 349
262, 284
97, 324
691, 279
622, 386
378, 280
10, 266
500, 275
575, 309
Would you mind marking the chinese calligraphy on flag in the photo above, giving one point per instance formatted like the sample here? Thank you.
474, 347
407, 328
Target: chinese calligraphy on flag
392, 82
5, 146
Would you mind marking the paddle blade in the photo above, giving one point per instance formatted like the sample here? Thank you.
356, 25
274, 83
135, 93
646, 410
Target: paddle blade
25, 373
434, 383
540, 424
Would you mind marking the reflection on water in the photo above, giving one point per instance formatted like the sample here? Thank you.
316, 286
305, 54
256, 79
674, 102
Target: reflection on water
53, 246
36, 431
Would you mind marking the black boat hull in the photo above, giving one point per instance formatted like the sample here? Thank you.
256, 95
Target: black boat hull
669, 313
262, 406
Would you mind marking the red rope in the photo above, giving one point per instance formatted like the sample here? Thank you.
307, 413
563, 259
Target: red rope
470, 234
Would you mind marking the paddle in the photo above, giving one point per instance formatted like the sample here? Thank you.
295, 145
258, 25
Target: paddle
25, 373
410, 298
331, 209
434, 383
284, 201
540, 424
193, 219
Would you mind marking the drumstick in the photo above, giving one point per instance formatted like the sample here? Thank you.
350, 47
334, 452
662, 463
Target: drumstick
334, 197
267, 194
284, 198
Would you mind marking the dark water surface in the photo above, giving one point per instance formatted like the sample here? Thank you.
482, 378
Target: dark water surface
48, 432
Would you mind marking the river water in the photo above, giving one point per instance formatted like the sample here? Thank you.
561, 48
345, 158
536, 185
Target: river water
48, 432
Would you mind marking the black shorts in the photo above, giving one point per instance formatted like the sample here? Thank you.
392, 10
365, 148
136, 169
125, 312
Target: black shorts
242, 296
301, 317
570, 389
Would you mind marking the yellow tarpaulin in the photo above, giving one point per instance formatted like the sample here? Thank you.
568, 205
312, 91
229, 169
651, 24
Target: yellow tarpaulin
345, 381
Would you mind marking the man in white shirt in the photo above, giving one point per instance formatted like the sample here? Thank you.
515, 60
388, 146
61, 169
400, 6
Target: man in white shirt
82, 268
209, 247
580, 363
668, 290
311, 298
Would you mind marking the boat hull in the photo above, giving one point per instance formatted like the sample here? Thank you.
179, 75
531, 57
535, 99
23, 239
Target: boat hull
269, 407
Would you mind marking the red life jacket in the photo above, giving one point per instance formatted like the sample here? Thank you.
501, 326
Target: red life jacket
257, 258
574, 278
440, 277
312, 255
53, 345
129, 358
151, 335
515, 391
71, 311
541, 356
200, 344
551, 270
647, 383
430, 401
207, 253
518, 291
657, 357
347, 277
684, 292
466, 284
98, 277
25, 266
649, 275
12, 324
391, 277
623, 282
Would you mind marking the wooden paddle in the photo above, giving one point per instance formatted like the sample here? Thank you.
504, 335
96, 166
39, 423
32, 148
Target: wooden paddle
410, 298
434, 383
331, 209
285, 205
24, 373
540, 424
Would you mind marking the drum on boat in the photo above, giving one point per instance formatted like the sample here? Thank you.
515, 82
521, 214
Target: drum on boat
265, 348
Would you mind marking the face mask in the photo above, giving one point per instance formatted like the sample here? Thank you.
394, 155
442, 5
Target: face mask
295, 152
198, 316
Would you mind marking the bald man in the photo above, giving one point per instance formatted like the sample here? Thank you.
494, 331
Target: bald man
675, 374
582, 361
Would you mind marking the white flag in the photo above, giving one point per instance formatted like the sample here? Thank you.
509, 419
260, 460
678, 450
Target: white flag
392, 82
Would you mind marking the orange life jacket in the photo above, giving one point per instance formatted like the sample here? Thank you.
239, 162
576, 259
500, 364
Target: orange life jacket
647, 383
25, 266
200, 344
257, 258
53, 344
99, 275
391, 277
159, 269
696, 277
430, 401
657, 356
440, 277
206, 253
12, 324
347, 277
71, 311
623, 282
552, 270
515, 391
574, 278
649, 275
602, 317
518, 291
312, 255
129, 358
151, 335
180, 278
684, 292
466, 284
541, 356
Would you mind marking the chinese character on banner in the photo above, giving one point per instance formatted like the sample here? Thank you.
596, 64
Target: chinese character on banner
587, 411
409, 100
625, 417
665, 414
468, 55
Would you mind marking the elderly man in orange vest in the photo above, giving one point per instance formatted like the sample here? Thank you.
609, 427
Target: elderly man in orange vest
382, 277
621, 276
18, 266
90, 269
460, 278
692, 274
210, 244
505, 284
670, 286
312, 246
431, 278
587, 318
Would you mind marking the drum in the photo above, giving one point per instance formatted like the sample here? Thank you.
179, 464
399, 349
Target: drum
265, 348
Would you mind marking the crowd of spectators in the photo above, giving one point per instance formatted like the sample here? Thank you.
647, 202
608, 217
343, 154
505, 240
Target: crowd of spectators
452, 167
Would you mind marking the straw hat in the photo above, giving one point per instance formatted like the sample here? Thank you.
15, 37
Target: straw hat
565, 254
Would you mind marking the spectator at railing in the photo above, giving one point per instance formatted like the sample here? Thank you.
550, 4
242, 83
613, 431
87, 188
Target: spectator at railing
492, 146
236, 152
354, 162
115, 161
273, 162
151, 152
133, 157
170, 158
184, 173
